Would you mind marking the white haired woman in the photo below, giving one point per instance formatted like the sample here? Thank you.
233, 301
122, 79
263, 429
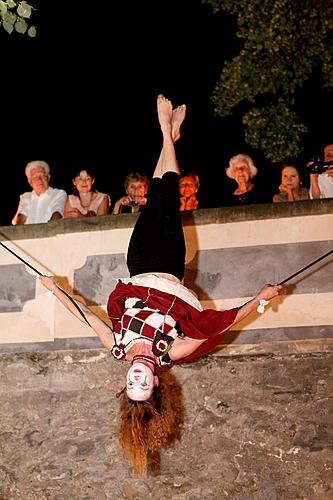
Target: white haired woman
242, 169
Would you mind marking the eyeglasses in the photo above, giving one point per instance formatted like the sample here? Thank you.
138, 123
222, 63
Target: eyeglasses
38, 176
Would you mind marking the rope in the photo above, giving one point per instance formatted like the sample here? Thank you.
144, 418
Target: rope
82, 313
306, 267
40, 274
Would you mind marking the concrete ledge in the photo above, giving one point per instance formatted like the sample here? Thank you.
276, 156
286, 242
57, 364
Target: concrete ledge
202, 216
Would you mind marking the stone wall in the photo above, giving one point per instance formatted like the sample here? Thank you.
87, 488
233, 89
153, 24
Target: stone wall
231, 253
250, 428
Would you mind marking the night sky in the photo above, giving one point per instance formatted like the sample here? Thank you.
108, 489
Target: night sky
83, 93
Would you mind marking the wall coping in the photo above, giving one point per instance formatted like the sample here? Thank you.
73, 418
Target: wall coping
221, 215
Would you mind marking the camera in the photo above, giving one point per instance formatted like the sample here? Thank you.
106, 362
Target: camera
318, 166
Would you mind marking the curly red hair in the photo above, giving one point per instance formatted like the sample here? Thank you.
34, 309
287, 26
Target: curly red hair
147, 426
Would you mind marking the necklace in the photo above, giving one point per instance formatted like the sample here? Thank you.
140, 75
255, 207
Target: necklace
149, 359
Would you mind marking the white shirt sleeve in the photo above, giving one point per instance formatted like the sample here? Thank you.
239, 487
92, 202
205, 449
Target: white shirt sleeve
23, 207
325, 183
58, 202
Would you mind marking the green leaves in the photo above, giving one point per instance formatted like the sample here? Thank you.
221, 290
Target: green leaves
15, 15
275, 130
24, 10
283, 43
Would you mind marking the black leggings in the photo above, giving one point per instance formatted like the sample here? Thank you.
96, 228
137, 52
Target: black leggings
157, 243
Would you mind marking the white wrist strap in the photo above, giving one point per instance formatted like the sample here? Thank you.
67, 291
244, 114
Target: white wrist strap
261, 306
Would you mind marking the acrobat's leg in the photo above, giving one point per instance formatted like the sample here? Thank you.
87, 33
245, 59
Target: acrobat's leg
157, 242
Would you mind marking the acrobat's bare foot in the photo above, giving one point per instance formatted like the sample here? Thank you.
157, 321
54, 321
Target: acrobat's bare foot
164, 110
178, 115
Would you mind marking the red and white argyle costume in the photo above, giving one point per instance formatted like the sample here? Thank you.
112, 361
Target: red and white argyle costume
206, 324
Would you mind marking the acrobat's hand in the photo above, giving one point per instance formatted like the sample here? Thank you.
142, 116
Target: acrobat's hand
48, 282
268, 292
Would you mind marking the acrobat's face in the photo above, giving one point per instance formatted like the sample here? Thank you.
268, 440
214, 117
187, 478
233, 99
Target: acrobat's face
140, 382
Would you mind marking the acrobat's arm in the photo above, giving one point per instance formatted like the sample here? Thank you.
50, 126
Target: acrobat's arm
103, 331
215, 324
266, 293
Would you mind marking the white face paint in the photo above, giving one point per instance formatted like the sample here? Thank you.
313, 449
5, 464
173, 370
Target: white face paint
140, 382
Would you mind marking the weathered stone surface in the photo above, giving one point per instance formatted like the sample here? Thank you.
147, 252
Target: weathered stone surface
13, 297
254, 428
99, 275
214, 273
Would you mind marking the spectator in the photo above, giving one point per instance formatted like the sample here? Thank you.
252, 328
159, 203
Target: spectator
86, 201
43, 203
136, 187
321, 184
189, 184
290, 187
241, 169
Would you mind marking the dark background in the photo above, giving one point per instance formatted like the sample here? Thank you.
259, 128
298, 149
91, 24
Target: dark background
83, 93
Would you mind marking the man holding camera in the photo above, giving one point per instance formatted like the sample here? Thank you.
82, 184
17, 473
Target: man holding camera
321, 174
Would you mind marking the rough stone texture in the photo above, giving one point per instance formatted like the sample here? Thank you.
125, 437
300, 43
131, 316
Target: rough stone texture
13, 297
99, 275
255, 428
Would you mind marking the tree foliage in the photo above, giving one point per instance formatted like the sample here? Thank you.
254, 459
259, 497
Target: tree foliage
15, 15
284, 42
